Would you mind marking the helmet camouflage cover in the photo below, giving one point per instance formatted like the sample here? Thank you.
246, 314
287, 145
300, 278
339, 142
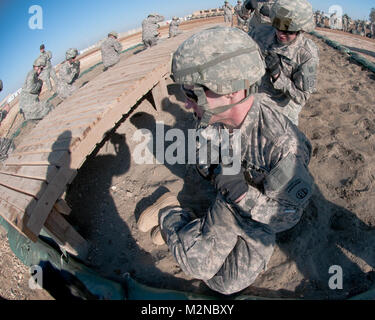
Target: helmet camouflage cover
71, 53
113, 33
296, 15
216, 58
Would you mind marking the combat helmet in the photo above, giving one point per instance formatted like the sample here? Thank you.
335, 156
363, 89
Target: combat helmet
40, 62
215, 58
71, 53
114, 34
296, 15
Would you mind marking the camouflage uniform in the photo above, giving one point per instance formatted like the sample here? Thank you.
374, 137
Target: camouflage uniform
30, 106
228, 14
257, 18
48, 72
110, 49
242, 13
173, 27
150, 28
232, 244
69, 73
298, 62
372, 29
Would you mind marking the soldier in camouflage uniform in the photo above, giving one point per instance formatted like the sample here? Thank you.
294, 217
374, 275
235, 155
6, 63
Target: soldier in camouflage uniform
111, 49
228, 13
173, 27
30, 106
261, 14
291, 59
233, 242
48, 72
242, 14
150, 32
69, 73
372, 30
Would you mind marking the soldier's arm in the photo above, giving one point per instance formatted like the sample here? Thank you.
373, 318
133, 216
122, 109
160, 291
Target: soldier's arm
33, 84
118, 46
303, 81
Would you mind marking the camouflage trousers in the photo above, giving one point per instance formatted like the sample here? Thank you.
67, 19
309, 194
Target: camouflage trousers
150, 42
228, 247
32, 108
65, 90
228, 18
174, 32
46, 74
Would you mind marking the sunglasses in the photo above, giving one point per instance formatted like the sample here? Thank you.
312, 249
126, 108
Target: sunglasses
288, 32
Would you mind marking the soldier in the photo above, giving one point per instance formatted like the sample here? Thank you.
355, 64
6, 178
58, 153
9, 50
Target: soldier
243, 15
372, 30
111, 50
261, 14
30, 106
69, 73
150, 26
173, 27
233, 242
228, 13
48, 72
345, 23
291, 58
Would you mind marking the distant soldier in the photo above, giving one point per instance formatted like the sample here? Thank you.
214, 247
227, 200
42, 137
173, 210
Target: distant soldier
49, 71
111, 50
372, 30
69, 73
242, 14
228, 13
363, 29
150, 32
30, 106
291, 58
345, 23
261, 14
173, 27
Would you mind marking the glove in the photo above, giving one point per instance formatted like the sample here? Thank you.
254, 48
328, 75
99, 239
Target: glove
250, 4
230, 186
273, 64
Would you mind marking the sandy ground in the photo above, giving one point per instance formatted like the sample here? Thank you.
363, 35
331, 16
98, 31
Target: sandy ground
111, 191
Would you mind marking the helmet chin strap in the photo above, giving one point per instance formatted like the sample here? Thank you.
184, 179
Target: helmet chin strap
209, 113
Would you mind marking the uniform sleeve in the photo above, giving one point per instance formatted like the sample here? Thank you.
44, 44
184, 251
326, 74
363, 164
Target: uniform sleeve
303, 81
118, 46
33, 84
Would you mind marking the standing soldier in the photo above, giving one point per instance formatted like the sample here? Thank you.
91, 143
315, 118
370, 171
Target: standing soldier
150, 32
173, 27
243, 15
372, 29
111, 49
228, 13
345, 23
291, 58
69, 73
261, 14
232, 243
49, 71
30, 106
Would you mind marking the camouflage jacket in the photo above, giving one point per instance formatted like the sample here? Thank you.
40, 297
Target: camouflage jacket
242, 12
174, 24
275, 156
227, 10
110, 49
32, 85
150, 27
299, 65
69, 72
48, 56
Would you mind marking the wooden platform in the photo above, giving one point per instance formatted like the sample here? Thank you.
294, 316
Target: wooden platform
37, 173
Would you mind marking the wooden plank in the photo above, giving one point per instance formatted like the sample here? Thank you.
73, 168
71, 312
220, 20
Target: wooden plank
13, 216
123, 104
44, 173
66, 235
57, 158
160, 94
47, 142
21, 201
60, 145
62, 207
27, 186
45, 204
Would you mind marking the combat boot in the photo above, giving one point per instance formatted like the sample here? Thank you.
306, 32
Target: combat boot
156, 236
150, 217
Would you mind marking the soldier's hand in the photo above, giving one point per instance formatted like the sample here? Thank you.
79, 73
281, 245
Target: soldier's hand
232, 187
273, 64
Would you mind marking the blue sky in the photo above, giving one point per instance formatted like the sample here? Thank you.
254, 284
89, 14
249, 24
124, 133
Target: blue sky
81, 23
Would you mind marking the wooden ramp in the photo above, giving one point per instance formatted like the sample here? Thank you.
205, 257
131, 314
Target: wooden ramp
37, 173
